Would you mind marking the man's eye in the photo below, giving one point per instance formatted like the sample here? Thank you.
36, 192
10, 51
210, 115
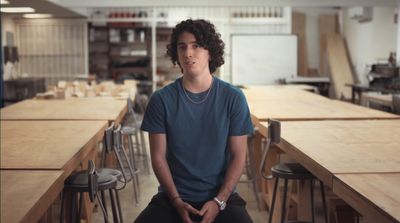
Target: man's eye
195, 46
181, 47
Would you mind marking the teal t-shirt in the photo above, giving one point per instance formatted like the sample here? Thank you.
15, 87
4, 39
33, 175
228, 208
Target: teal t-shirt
198, 133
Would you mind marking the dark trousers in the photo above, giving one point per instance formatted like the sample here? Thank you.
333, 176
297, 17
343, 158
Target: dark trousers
160, 209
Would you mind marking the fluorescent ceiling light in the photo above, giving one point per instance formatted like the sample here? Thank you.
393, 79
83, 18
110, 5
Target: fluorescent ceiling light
4, 2
16, 9
37, 16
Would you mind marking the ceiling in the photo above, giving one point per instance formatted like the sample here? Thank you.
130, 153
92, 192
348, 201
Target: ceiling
42, 6
78, 8
175, 3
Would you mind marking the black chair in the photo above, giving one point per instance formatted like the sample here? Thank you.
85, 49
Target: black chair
91, 182
287, 171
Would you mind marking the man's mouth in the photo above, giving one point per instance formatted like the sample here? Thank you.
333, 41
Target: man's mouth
189, 62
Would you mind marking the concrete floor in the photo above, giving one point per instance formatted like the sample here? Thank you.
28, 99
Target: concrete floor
148, 187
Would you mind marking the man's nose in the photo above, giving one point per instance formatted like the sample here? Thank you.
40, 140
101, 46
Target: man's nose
188, 52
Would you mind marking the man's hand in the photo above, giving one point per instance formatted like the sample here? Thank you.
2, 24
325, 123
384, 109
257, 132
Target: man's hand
209, 211
184, 209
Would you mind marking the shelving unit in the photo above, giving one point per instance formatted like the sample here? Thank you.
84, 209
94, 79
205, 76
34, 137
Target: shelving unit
121, 51
159, 22
98, 51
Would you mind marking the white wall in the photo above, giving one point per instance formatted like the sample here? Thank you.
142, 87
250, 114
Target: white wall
372, 41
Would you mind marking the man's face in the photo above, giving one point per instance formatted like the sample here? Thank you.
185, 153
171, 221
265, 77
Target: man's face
192, 58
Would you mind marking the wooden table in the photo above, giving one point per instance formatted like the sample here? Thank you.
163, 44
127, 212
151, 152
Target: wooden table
333, 149
376, 195
70, 109
272, 94
48, 145
304, 105
26, 195
32, 147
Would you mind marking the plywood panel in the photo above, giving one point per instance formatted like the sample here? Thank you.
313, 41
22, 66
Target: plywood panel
299, 29
339, 64
328, 24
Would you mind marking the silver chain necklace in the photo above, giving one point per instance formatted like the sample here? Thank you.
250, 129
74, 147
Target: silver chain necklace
204, 99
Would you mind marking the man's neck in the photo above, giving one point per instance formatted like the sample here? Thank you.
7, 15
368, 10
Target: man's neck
197, 84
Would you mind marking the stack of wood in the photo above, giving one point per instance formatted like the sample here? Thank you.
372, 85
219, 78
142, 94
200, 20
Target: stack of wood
80, 89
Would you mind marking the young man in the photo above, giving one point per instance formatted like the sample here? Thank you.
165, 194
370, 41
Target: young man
198, 129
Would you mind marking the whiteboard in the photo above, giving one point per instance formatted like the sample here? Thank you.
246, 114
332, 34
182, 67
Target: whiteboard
263, 59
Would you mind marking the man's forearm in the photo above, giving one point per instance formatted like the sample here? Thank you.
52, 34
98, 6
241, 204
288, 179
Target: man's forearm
163, 174
158, 149
235, 166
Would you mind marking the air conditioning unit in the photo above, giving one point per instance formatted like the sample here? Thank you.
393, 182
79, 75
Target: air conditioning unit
361, 14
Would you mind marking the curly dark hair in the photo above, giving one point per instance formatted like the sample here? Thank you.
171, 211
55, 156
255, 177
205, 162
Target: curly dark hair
206, 37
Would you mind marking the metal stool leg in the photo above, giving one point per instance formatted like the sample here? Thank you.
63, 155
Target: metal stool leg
80, 206
285, 189
104, 203
113, 206
312, 200
119, 206
62, 207
105, 214
271, 210
73, 208
321, 184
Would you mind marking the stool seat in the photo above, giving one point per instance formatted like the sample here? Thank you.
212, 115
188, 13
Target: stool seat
109, 171
292, 171
126, 129
79, 181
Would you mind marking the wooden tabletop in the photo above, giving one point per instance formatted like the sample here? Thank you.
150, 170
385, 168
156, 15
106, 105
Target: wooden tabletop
48, 145
268, 94
288, 104
70, 109
310, 106
335, 147
26, 195
358, 159
377, 194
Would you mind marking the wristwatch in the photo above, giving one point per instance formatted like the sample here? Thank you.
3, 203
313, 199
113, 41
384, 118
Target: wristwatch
221, 204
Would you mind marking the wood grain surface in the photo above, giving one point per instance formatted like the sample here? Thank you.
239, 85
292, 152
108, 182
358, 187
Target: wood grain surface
70, 109
26, 195
48, 145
